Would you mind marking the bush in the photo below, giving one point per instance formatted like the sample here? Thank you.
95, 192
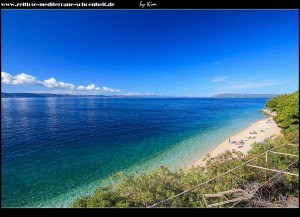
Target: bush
147, 188
287, 109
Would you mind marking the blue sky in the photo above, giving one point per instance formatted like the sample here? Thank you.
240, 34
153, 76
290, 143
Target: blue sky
161, 52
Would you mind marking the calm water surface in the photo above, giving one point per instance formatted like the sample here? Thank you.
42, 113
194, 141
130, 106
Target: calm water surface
55, 149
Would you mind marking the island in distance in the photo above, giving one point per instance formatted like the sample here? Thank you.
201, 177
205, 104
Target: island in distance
34, 95
44, 95
244, 95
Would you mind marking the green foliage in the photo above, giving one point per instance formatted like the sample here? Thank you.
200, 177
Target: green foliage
147, 188
272, 103
287, 109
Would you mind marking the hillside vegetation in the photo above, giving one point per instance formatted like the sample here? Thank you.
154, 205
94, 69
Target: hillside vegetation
287, 109
147, 188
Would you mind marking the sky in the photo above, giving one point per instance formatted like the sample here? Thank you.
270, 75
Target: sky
195, 53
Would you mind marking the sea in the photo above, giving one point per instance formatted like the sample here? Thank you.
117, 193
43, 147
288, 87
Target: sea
54, 150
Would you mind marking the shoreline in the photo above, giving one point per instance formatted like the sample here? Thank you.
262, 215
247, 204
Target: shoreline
269, 128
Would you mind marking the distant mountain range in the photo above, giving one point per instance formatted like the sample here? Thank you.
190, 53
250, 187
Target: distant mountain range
244, 95
39, 95
34, 95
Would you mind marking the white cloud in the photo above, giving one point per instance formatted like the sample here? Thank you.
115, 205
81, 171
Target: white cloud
251, 85
88, 87
66, 85
94, 87
6, 78
80, 87
133, 94
217, 78
56, 91
138, 94
107, 89
51, 82
23, 78
91, 87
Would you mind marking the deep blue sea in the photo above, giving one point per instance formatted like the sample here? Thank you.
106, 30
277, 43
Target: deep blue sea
55, 149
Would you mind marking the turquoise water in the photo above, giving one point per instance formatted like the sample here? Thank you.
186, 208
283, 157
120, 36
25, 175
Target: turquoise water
56, 149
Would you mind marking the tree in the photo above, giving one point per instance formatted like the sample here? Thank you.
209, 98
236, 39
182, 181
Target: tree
287, 109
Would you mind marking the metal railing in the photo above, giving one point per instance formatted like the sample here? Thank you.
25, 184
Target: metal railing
235, 168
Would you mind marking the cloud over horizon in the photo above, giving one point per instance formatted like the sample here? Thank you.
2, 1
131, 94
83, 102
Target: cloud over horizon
51, 82
217, 79
252, 85
22, 78
25, 79
94, 87
138, 94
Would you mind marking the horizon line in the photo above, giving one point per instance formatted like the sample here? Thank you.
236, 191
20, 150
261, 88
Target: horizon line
140, 95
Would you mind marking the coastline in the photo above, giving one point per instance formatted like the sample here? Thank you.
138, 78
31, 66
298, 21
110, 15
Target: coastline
269, 128
268, 112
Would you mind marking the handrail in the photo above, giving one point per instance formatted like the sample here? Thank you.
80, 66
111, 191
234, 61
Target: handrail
203, 183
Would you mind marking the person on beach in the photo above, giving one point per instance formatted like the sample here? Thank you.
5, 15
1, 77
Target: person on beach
229, 140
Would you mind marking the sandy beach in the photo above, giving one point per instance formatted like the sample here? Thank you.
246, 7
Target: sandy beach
268, 127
